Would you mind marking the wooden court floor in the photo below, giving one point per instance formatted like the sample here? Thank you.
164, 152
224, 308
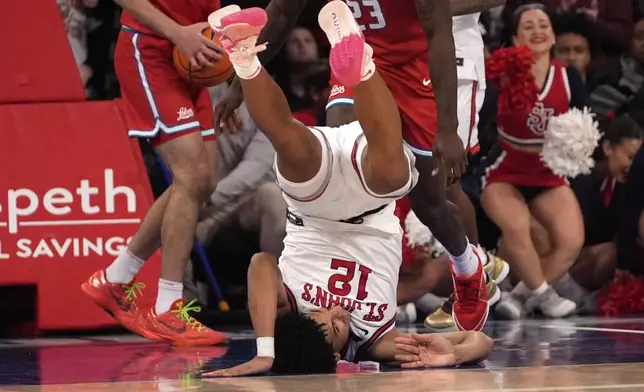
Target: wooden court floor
580, 354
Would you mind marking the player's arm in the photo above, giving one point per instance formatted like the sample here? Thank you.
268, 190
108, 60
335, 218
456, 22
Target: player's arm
465, 7
469, 346
266, 298
436, 18
431, 350
149, 15
266, 294
188, 39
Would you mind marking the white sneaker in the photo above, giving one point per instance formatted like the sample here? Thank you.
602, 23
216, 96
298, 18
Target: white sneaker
406, 313
510, 306
551, 304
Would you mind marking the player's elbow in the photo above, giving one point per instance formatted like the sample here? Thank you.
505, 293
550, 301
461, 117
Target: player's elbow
260, 263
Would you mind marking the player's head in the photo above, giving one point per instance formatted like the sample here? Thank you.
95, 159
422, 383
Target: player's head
622, 140
310, 343
577, 39
532, 27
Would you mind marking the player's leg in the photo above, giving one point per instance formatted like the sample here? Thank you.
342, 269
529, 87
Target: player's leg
470, 100
426, 275
429, 202
385, 164
152, 92
467, 122
299, 151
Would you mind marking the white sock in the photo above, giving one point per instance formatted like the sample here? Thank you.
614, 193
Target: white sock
482, 254
169, 292
247, 68
522, 290
567, 287
124, 268
466, 264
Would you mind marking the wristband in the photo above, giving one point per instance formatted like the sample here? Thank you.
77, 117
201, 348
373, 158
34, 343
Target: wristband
266, 347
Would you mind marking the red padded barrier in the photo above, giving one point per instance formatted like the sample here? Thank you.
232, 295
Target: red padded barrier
73, 189
36, 64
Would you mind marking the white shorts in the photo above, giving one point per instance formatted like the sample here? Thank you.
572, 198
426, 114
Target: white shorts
471, 94
339, 191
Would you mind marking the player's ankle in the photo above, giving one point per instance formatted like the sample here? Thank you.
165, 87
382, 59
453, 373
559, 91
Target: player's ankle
466, 264
169, 292
247, 68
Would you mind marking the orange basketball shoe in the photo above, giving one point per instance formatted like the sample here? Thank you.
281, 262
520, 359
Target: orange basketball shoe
177, 326
119, 300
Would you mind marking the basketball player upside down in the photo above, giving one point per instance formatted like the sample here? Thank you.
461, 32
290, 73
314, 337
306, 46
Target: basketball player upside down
401, 34
335, 287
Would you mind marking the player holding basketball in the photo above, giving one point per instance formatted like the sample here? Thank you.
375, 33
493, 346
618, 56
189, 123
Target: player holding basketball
399, 33
176, 119
341, 185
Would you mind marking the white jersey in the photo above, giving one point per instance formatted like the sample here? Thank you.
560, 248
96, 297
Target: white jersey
327, 262
468, 42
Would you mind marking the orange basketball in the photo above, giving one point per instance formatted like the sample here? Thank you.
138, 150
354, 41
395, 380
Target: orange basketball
220, 71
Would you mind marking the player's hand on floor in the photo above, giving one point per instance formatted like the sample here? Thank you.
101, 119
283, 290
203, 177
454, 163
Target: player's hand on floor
254, 366
425, 350
225, 118
190, 41
449, 151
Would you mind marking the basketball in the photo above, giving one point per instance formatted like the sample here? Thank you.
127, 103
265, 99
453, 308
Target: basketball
220, 71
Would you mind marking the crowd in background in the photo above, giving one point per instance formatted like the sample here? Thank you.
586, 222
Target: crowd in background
602, 39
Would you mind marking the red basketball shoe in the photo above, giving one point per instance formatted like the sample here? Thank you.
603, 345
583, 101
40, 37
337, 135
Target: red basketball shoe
470, 309
119, 300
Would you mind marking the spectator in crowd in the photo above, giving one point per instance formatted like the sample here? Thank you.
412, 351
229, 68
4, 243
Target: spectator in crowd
577, 42
246, 189
300, 51
76, 25
614, 18
600, 195
519, 187
616, 96
316, 82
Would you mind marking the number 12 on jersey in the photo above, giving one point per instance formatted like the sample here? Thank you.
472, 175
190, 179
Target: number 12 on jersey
340, 283
370, 8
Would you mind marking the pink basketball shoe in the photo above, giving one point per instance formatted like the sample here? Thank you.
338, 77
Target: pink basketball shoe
349, 52
239, 30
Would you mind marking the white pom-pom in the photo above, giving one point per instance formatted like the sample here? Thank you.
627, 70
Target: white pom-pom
419, 236
570, 142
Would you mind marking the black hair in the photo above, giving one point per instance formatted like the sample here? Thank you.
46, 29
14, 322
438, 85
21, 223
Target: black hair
615, 131
621, 128
301, 347
579, 24
516, 16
